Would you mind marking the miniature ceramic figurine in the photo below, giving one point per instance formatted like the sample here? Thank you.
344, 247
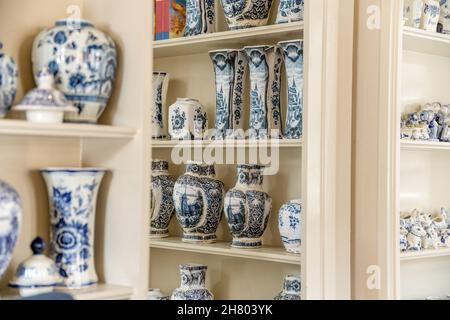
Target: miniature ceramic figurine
444, 17
290, 11
430, 15
415, 237
431, 239
193, 278
188, 120
403, 239
83, 61
243, 14
413, 12
8, 82
200, 17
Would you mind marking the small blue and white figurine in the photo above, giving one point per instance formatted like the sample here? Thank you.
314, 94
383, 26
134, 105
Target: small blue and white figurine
247, 208
430, 15
200, 17
291, 289
290, 227
8, 82
73, 198
83, 61
229, 69
198, 198
444, 17
10, 221
290, 11
193, 279
162, 207
159, 110
293, 58
243, 14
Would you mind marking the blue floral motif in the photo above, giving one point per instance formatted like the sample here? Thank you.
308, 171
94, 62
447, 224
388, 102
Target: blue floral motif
290, 11
192, 287
200, 17
289, 225
246, 13
60, 38
8, 82
291, 289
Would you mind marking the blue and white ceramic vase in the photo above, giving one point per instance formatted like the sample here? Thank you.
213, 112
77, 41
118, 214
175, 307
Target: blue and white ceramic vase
247, 208
159, 110
162, 207
274, 58
291, 289
193, 284
73, 199
83, 61
293, 61
200, 17
412, 12
430, 15
243, 14
188, 120
444, 17
289, 225
198, 198
290, 11
10, 221
8, 82
229, 69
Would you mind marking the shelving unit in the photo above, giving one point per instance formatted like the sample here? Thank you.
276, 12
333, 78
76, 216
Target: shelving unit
170, 144
425, 146
425, 254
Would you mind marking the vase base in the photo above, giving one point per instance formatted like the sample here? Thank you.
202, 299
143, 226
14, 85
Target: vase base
247, 243
87, 285
199, 238
159, 233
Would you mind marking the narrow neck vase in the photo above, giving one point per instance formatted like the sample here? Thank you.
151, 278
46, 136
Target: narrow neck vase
159, 110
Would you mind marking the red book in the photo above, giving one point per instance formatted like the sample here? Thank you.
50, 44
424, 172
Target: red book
162, 19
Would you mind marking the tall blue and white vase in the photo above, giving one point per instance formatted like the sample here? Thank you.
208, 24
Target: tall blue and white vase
293, 61
291, 289
247, 208
289, 225
290, 11
162, 207
229, 69
159, 110
444, 17
198, 198
73, 198
8, 82
200, 17
243, 14
193, 284
274, 117
83, 61
10, 221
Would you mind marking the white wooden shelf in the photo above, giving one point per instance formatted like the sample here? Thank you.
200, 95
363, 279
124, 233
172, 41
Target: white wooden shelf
100, 292
426, 42
227, 39
170, 144
272, 254
410, 145
425, 254
65, 130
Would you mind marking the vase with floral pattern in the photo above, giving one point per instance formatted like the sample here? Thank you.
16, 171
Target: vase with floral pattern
159, 110
8, 82
289, 225
290, 11
188, 120
200, 17
193, 287
243, 14
291, 289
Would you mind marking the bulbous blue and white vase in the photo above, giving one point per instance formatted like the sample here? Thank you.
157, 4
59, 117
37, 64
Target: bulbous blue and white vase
83, 61
291, 289
293, 61
198, 198
290, 11
8, 82
193, 284
229, 69
10, 221
162, 207
247, 208
243, 14
159, 110
188, 120
265, 77
200, 17
73, 198
289, 225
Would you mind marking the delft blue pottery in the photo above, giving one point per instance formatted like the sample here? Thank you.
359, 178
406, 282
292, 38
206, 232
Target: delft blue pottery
198, 198
10, 220
412, 12
290, 227
8, 82
247, 207
290, 11
293, 58
159, 112
200, 17
444, 17
229, 68
430, 15
193, 278
188, 120
291, 289
73, 198
243, 14
274, 58
83, 61
162, 207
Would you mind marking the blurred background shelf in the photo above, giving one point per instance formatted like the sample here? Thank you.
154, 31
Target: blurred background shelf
425, 254
424, 145
426, 42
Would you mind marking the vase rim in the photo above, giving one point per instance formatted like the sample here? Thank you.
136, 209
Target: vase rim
251, 166
290, 41
188, 100
160, 72
73, 170
83, 22
265, 46
193, 267
296, 201
225, 50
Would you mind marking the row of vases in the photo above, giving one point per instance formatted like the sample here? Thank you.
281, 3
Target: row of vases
193, 286
199, 201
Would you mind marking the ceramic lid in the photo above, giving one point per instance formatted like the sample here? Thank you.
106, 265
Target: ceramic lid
45, 97
38, 271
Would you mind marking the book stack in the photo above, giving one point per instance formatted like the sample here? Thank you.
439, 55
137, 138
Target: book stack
170, 18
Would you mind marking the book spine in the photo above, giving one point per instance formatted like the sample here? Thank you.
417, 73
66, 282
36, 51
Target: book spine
162, 21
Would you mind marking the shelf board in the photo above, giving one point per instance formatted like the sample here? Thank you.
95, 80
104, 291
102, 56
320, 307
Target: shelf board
411, 145
273, 254
426, 42
99, 292
170, 144
227, 39
425, 254
65, 130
